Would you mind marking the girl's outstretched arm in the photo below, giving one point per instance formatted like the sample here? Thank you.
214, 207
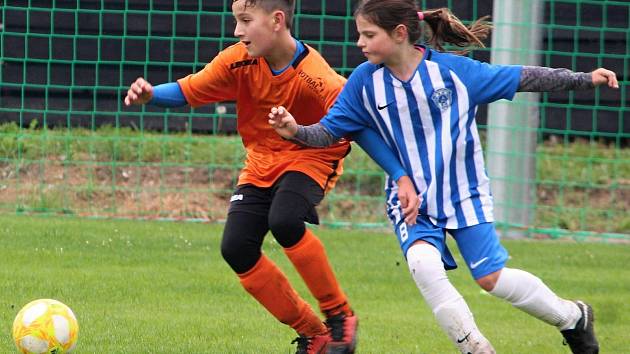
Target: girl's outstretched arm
542, 79
315, 135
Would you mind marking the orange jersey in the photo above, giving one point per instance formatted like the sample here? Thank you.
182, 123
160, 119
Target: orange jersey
307, 89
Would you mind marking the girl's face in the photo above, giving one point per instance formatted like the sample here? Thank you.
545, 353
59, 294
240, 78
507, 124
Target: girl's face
254, 27
375, 43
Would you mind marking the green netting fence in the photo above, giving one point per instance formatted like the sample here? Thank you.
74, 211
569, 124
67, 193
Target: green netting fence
68, 146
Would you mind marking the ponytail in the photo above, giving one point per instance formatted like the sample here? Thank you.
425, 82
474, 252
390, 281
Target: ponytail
446, 28
442, 27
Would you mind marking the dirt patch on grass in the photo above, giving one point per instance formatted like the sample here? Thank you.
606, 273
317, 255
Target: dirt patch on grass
157, 190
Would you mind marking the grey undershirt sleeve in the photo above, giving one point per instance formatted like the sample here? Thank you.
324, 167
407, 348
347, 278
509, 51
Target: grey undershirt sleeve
315, 135
542, 79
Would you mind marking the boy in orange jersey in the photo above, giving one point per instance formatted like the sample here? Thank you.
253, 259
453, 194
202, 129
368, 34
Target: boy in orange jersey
281, 183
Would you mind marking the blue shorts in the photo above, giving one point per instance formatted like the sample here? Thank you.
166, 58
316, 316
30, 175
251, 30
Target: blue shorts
478, 244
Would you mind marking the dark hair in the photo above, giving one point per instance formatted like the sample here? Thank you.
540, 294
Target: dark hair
286, 6
443, 26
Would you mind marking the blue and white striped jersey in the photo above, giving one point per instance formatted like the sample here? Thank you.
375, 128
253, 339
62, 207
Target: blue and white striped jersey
428, 122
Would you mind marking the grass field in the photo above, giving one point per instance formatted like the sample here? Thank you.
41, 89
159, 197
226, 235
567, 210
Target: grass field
162, 287
580, 185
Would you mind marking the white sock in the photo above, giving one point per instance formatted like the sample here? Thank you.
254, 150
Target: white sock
449, 307
528, 293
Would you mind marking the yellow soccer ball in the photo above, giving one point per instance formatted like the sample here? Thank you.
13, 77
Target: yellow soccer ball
45, 326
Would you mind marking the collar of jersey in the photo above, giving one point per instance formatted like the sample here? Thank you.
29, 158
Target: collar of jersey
399, 83
299, 49
288, 72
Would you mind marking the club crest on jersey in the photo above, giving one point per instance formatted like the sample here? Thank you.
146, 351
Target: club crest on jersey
442, 98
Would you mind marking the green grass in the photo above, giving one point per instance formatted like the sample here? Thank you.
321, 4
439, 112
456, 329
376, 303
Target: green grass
162, 287
580, 185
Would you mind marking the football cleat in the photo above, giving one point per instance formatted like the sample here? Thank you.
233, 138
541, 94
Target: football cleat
343, 329
581, 339
312, 345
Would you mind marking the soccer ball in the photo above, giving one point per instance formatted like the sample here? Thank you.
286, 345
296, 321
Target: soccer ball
45, 326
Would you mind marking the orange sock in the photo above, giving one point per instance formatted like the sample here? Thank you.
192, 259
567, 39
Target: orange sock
309, 258
271, 288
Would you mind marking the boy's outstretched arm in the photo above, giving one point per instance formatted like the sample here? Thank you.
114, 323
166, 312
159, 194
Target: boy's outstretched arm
167, 95
140, 92
542, 79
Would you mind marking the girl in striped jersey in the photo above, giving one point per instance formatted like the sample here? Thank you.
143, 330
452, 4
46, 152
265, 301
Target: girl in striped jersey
420, 103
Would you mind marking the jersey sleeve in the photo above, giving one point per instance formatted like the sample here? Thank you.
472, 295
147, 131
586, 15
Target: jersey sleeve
335, 85
348, 114
486, 82
214, 83
373, 144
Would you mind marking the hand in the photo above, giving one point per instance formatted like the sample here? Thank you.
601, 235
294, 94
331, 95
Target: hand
283, 122
603, 76
409, 200
140, 92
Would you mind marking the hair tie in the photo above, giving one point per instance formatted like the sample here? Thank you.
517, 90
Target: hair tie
420, 15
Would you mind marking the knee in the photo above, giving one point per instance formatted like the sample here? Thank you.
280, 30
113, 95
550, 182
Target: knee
239, 257
488, 282
286, 227
425, 264
228, 251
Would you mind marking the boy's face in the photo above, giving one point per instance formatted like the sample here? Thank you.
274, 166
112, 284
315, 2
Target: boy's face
254, 27
375, 43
